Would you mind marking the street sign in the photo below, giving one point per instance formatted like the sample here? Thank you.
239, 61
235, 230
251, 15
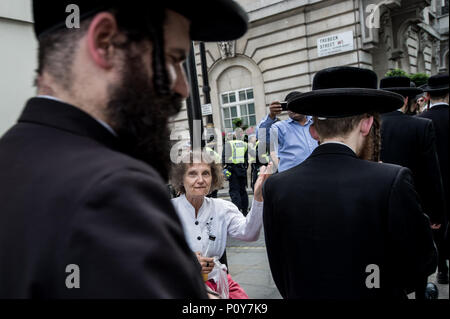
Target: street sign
334, 44
206, 109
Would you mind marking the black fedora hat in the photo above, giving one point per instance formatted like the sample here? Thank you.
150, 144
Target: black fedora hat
345, 91
225, 20
401, 85
437, 83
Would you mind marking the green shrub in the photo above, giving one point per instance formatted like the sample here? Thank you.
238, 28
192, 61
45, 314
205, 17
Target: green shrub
419, 78
237, 122
396, 72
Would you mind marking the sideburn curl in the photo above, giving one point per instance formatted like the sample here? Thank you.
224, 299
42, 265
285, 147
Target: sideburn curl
140, 116
372, 145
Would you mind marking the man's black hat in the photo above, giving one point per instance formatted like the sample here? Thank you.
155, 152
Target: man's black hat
211, 20
401, 85
345, 91
437, 83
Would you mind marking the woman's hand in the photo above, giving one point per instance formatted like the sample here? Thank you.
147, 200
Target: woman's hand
207, 263
264, 173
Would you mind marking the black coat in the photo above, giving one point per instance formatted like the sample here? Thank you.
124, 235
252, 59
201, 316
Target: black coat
411, 142
439, 114
69, 196
330, 217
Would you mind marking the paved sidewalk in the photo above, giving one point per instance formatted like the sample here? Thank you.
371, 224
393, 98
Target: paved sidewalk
249, 267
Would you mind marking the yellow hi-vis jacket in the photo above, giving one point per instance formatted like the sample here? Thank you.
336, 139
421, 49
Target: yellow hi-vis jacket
213, 154
238, 149
254, 151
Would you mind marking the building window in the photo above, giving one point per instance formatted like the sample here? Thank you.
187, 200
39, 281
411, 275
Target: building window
444, 7
238, 104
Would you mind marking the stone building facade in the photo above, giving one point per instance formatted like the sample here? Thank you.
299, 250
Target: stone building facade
18, 59
279, 53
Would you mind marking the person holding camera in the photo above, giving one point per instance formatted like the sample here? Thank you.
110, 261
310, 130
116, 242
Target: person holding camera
292, 142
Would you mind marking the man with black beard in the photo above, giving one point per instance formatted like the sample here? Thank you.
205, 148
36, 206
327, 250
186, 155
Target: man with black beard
140, 117
85, 211
341, 225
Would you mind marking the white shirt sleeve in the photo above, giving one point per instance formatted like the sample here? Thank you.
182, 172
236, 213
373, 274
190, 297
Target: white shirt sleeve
244, 228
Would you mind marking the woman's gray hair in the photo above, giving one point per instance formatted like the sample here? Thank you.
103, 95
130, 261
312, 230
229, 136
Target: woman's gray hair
179, 170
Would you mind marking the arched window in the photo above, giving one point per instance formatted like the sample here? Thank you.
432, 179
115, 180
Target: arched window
238, 104
236, 97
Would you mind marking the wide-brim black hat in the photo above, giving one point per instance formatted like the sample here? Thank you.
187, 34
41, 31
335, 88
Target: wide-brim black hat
437, 83
401, 85
345, 91
211, 20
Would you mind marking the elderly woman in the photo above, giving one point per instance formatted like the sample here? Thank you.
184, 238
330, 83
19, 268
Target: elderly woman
208, 221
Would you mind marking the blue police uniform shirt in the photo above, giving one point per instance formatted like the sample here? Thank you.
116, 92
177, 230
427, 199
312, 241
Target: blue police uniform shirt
295, 143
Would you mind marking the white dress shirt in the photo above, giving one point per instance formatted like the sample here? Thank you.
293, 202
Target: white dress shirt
337, 142
219, 218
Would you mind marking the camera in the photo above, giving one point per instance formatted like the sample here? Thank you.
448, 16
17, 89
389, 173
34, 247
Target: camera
284, 105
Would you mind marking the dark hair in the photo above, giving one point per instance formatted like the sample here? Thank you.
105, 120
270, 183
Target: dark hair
179, 170
57, 48
334, 127
411, 108
56, 52
341, 127
438, 95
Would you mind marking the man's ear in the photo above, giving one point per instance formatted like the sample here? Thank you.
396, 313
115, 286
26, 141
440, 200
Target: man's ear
366, 125
313, 133
100, 35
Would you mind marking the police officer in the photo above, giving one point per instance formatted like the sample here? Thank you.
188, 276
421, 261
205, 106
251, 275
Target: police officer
235, 160
255, 158
212, 153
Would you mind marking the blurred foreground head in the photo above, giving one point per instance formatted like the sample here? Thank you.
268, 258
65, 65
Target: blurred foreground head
122, 63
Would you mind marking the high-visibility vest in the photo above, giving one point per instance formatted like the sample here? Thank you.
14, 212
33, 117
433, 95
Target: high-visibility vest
265, 157
238, 149
213, 154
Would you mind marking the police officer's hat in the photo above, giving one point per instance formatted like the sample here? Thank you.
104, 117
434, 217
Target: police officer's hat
211, 20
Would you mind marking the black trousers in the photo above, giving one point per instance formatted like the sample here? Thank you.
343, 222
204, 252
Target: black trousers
254, 172
441, 240
238, 191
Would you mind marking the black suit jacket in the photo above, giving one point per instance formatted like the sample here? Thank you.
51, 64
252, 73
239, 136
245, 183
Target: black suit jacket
439, 114
411, 142
329, 218
69, 196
